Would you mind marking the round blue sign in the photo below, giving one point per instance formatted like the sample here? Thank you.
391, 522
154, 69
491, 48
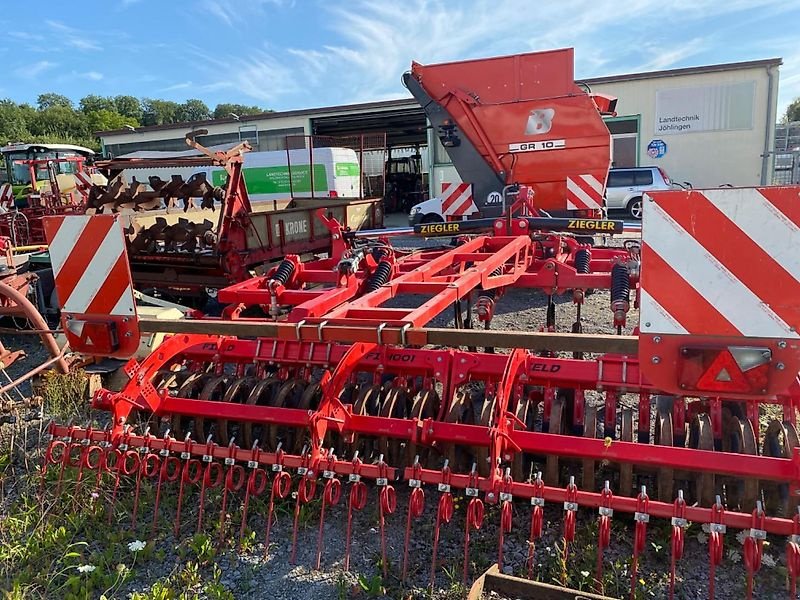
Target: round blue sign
656, 148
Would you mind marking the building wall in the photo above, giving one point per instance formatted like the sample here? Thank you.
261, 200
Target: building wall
731, 149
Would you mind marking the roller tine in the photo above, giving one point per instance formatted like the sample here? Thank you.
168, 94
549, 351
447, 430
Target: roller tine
537, 519
676, 541
227, 483
205, 480
444, 513
641, 518
248, 487
474, 520
281, 485
184, 477
330, 496
162, 471
355, 478
139, 471
416, 504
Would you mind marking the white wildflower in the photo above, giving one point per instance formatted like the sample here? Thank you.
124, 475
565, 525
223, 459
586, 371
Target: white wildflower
136, 546
734, 556
741, 537
584, 574
94, 496
768, 561
86, 568
702, 538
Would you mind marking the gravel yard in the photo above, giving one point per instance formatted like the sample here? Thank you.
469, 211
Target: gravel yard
245, 574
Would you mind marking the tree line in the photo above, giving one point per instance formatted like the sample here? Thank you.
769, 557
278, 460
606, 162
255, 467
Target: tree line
56, 119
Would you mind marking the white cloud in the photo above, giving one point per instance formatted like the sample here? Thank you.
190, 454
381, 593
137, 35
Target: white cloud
33, 70
73, 37
92, 75
177, 86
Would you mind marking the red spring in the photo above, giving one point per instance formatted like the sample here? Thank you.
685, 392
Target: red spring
416, 505
679, 524
330, 497
357, 500
387, 503
444, 513
642, 518
537, 521
281, 486
256, 484
306, 490
715, 543
235, 478
170, 471
793, 555
475, 514
148, 467
603, 532
191, 472
212, 478
127, 465
754, 546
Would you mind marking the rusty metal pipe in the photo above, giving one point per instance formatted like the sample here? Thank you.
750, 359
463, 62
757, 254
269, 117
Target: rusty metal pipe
38, 322
32, 372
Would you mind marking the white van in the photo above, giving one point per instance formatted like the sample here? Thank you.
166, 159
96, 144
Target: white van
336, 173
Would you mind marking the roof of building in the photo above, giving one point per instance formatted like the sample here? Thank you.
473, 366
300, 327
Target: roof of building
412, 103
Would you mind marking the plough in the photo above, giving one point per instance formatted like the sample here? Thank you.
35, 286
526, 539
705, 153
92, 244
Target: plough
326, 380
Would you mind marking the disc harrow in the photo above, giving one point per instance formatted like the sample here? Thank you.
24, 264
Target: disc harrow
324, 381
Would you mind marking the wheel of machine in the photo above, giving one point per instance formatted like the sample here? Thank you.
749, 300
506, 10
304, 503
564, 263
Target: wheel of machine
780, 441
665, 482
626, 469
432, 218
525, 413
213, 390
701, 437
486, 420
557, 426
288, 396
459, 411
738, 437
394, 406
425, 405
238, 391
634, 208
261, 395
368, 402
591, 419
191, 389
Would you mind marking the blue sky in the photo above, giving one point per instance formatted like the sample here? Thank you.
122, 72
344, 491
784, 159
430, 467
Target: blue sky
286, 54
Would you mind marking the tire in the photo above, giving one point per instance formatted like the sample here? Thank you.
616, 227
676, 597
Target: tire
634, 208
432, 218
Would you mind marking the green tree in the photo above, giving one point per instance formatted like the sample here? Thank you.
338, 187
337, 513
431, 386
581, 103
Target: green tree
14, 121
92, 103
224, 110
50, 99
158, 112
59, 123
106, 120
793, 111
129, 106
192, 110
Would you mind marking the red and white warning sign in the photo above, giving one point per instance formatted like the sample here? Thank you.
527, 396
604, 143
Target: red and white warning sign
584, 192
457, 200
722, 266
93, 283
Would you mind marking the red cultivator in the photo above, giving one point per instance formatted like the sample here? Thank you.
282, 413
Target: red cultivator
325, 376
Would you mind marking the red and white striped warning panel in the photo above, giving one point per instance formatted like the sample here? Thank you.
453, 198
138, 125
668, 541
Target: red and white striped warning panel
721, 263
457, 200
584, 192
6, 196
90, 265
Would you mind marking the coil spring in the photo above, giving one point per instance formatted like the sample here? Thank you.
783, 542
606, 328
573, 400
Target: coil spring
490, 293
620, 283
284, 271
378, 253
379, 277
582, 259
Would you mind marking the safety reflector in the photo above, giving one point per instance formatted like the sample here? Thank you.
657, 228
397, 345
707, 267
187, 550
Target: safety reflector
735, 369
99, 338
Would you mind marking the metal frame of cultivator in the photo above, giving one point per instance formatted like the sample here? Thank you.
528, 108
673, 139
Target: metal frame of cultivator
338, 388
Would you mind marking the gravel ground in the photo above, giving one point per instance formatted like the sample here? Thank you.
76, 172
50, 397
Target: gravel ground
247, 575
